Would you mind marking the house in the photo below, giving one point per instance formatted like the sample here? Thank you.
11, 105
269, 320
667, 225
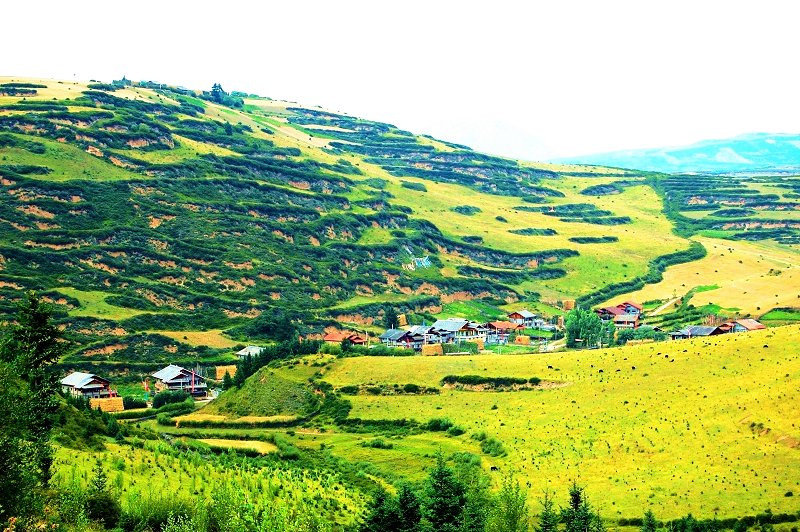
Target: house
250, 351
499, 331
339, 337
472, 332
175, 378
459, 330
609, 313
429, 335
522, 317
630, 307
626, 321
696, 330
89, 385
401, 338
747, 325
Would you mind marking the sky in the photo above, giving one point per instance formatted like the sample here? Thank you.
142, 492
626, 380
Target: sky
535, 80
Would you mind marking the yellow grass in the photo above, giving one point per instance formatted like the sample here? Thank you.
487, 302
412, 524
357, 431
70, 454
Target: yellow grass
212, 338
259, 446
707, 426
741, 269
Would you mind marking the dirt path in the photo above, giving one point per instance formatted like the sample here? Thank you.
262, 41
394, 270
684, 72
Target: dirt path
666, 305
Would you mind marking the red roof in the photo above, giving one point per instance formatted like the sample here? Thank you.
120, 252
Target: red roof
341, 336
504, 325
633, 304
616, 311
751, 324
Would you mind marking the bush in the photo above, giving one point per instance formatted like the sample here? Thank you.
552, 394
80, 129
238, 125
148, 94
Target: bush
437, 425
413, 186
168, 396
131, 403
377, 443
467, 210
103, 507
411, 388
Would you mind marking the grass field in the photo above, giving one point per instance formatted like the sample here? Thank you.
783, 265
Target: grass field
706, 426
213, 338
258, 446
752, 276
93, 304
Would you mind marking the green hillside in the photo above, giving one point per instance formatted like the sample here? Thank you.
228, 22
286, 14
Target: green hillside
143, 211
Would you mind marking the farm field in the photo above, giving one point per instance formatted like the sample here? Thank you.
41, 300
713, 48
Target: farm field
706, 425
753, 277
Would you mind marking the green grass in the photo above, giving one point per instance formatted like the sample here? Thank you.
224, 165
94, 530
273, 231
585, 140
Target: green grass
472, 310
781, 316
93, 304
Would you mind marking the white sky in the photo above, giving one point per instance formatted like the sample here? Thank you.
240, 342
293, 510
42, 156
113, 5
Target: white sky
536, 79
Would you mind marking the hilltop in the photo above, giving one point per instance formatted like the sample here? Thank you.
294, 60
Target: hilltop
168, 224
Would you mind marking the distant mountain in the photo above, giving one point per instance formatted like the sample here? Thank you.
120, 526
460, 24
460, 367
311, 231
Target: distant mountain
752, 152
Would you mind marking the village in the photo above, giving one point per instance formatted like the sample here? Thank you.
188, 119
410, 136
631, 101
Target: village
448, 336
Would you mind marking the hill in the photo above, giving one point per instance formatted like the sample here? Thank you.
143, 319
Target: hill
754, 152
167, 225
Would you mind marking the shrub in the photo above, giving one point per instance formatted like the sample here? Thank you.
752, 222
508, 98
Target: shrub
102, 506
168, 396
467, 210
377, 443
420, 187
411, 388
437, 425
133, 402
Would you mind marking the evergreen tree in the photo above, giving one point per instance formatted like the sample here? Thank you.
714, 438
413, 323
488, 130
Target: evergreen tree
239, 377
548, 518
445, 497
649, 523
408, 510
510, 510
390, 319
382, 513
217, 94
579, 516
227, 381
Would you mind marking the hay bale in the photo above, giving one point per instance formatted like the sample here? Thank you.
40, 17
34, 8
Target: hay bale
522, 340
481, 344
568, 304
432, 350
110, 404
221, 370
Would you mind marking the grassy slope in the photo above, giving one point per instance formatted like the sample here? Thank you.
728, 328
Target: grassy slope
744, 272
674, 433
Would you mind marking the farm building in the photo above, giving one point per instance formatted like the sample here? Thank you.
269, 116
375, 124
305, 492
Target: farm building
626, 307
429, 335
693, 331
459, 330
401, 338
499, 331
176, 378
86, 385
249, 351
338, 338
522, 317
626, 321
747, 325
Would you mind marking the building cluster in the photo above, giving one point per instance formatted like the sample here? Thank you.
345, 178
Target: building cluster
627, 315
457, 330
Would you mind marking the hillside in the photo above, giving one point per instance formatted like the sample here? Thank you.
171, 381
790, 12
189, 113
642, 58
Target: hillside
166, 226
753, 152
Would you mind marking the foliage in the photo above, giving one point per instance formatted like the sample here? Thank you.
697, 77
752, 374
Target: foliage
583, 328
445, 498
578, 515
169, 396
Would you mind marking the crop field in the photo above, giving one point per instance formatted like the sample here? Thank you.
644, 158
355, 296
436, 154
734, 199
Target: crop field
707, 426
213, 338
752, 277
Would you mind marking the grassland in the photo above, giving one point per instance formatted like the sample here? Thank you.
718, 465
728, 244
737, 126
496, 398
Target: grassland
93, 304
213, 338
705, 425
751, 276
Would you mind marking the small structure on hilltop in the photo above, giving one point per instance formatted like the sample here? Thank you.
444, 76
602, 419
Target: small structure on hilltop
176, 378
87, 385
693, 331
522, 317
339, 337
249, 351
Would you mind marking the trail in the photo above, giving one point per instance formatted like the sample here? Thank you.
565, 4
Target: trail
661, 309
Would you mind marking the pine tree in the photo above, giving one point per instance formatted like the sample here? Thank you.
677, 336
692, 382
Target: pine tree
408, 510
445, 497
649, 523
382, 514
227, 381
548, 518
239, 377
578, 516
217, 94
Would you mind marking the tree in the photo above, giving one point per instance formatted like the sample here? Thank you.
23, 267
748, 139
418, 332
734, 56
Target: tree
579, 516
408, 510
583, 327
649, 523
381, 513
445, 497
549, 518
28, 404
510, 511
217, 94
227, 381
389, 317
